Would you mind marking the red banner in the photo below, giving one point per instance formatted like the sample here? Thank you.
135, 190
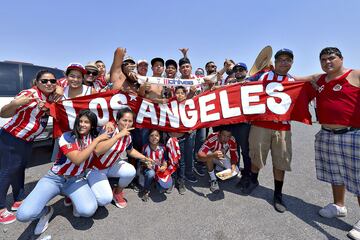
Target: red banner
265, 101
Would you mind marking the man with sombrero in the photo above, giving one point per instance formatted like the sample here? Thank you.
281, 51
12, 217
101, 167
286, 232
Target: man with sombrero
262, 64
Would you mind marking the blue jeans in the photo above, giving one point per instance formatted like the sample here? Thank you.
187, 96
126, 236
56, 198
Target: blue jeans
149, 175
241, 132
14, 154
51, 185
99, 183
199, 140
186, 161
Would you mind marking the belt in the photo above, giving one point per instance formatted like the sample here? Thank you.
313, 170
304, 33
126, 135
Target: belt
340, 131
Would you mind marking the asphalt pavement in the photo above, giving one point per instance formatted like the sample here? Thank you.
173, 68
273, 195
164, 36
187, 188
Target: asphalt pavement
201, 215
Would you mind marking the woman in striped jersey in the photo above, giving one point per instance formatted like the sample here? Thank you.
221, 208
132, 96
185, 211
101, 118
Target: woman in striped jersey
29, 119
66, 176
108, 162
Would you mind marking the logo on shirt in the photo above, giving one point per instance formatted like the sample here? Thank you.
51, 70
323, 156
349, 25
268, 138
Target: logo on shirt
337, 87
69, 146
321, 88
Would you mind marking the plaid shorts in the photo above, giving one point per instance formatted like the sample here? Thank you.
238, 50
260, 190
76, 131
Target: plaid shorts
337, 159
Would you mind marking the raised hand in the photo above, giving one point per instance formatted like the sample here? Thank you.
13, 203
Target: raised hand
184, 51
124, 132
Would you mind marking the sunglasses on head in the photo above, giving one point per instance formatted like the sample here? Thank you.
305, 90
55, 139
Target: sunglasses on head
45, 81
94, 73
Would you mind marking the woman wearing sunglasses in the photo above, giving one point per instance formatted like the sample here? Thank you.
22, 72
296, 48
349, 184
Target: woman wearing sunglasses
66, 176
29, 119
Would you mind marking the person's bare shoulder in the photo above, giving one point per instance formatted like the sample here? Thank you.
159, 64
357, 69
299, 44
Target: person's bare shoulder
354, 77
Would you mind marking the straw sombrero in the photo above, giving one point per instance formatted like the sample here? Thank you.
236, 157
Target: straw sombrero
262, 60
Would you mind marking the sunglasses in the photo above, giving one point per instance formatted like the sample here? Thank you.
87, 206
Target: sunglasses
45, 81
92, 73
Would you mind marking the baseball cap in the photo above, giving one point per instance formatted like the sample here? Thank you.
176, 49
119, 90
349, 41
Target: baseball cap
183, 61
171, 62
157, 59
142, 61
129, 59
91, 66
240, 65
75, 66
284, 51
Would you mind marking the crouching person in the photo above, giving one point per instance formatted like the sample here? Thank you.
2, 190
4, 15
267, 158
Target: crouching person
215, 151
66, 175
108, 163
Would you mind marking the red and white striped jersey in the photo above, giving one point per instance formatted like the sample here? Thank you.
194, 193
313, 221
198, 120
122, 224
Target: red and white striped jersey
275, 125
68, 143
29, 120
158, 155
213, 144
173, 149
107, 159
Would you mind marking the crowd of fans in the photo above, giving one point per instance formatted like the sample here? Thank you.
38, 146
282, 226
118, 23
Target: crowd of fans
147, 160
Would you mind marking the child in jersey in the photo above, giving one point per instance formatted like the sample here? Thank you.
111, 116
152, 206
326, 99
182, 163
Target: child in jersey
156, 151
108, 162
66, 176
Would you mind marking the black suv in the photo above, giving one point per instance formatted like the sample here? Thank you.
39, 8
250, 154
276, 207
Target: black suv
17, 76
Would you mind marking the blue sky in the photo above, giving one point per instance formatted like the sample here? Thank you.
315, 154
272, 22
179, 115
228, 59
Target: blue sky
55, 33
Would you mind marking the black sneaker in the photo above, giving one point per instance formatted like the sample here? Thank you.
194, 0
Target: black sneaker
244, 182
279, 204
134, 187
144, 195
250, 187
199, 170
191, 178
214, 186
181, 187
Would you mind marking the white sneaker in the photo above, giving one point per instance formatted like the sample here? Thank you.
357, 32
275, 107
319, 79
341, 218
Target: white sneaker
43, 223
355, 231
332, 210
75, 213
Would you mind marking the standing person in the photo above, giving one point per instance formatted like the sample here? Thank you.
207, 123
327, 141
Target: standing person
29, 119
108, 162
66, 175
102, 73
102, 69
214, 152
149, 90
188, 142
142, 67
241, 130
210, 68
91, 78
272, 136
122, 73
171, 68
337, 144
74, 87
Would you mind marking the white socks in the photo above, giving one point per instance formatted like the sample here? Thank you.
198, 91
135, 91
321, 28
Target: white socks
212, 175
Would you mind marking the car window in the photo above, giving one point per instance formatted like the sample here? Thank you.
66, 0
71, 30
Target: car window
30, 71
9, 79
